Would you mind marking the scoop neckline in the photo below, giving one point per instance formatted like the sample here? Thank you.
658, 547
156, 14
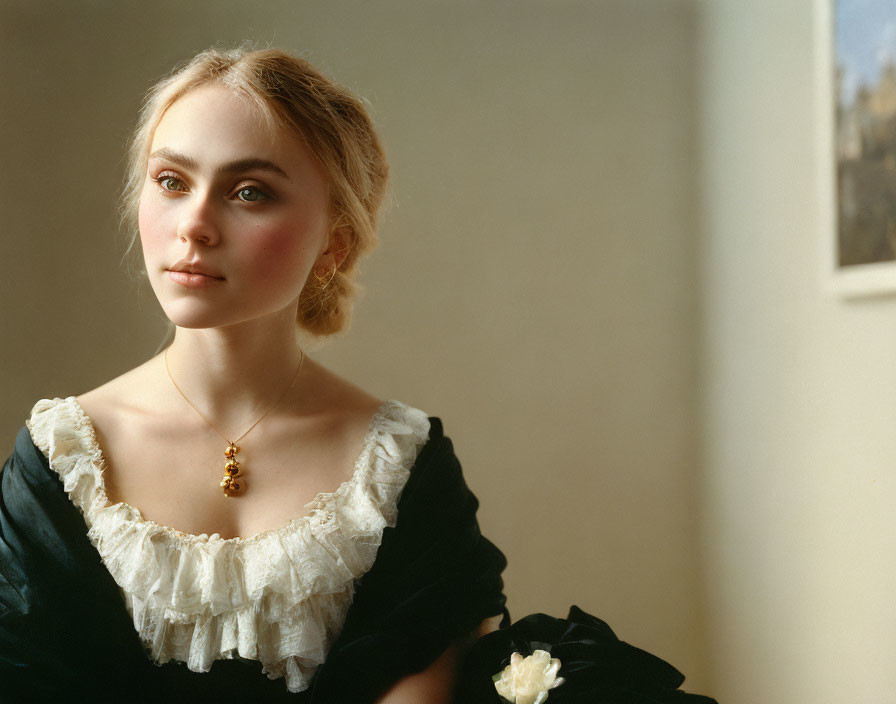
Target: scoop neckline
98, 463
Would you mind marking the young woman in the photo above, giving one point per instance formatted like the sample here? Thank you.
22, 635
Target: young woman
231, 520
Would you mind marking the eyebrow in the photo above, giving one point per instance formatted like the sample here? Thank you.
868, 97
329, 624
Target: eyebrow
239, 165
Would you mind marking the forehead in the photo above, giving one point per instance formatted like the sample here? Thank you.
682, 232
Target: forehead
214, 124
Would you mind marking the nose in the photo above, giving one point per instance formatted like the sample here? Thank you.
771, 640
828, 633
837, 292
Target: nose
198, 223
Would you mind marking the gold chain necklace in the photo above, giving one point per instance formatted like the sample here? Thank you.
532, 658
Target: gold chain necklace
233, 483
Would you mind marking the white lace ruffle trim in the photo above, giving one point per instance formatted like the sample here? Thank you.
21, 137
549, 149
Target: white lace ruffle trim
279, 597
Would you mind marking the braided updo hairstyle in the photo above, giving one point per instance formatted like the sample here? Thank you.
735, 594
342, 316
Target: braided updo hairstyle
289, 92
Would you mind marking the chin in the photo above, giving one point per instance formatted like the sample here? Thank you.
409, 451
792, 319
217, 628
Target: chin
192, 317
199, 312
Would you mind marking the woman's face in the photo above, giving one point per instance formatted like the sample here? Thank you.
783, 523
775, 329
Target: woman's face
232, 217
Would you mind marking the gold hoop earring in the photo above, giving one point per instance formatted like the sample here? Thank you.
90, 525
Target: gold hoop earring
320, 275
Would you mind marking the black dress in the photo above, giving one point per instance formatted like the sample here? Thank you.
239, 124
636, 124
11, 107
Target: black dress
66, 634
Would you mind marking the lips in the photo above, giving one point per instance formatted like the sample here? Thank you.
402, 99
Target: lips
195, 274
195, 268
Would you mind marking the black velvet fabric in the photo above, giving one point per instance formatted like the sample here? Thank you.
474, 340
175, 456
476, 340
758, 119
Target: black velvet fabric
65, 634
597, 667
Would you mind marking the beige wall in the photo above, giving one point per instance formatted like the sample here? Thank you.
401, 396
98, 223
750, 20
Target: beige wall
797, 404
537, 282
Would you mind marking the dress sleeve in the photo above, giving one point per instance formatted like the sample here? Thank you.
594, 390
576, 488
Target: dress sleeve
53, 596
435, 578
24, 661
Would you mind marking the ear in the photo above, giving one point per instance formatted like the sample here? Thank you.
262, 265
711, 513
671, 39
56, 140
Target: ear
338, 247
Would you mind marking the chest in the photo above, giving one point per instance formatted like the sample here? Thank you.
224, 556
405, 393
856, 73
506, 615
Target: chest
173, 473
279, 597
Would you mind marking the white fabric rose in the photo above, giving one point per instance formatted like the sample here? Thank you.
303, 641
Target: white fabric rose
527, 680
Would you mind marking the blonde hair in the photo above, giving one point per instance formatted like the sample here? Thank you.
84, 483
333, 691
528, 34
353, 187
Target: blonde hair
334, 124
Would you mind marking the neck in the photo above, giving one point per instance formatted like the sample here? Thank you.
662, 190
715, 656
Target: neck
233, 374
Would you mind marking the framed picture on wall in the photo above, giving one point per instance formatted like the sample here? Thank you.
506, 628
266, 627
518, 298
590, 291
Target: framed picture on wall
861, 80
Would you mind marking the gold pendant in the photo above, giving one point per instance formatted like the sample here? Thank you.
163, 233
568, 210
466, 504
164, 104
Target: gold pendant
233, 484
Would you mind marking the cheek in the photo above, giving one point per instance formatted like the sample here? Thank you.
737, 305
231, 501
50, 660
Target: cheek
150, 225
280, 256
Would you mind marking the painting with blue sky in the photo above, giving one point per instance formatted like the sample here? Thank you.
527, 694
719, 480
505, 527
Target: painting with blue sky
865, 46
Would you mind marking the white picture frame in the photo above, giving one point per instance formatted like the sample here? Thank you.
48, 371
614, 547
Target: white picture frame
850, 280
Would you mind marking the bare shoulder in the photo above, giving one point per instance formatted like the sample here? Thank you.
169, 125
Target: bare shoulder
341, 402
123, 397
